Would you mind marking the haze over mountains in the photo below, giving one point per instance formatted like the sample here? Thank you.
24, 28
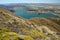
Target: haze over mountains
11, 5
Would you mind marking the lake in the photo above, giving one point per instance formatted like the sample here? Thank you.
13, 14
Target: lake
23, 13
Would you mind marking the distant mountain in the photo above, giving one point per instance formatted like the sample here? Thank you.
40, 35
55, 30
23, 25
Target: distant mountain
11, 5
2, 6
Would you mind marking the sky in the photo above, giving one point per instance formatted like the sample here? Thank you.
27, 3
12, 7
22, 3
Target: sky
29, 1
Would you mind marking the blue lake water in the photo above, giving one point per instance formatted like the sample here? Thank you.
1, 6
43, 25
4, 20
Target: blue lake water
24, 14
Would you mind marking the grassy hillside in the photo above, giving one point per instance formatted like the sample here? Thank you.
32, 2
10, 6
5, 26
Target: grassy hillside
18, 28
